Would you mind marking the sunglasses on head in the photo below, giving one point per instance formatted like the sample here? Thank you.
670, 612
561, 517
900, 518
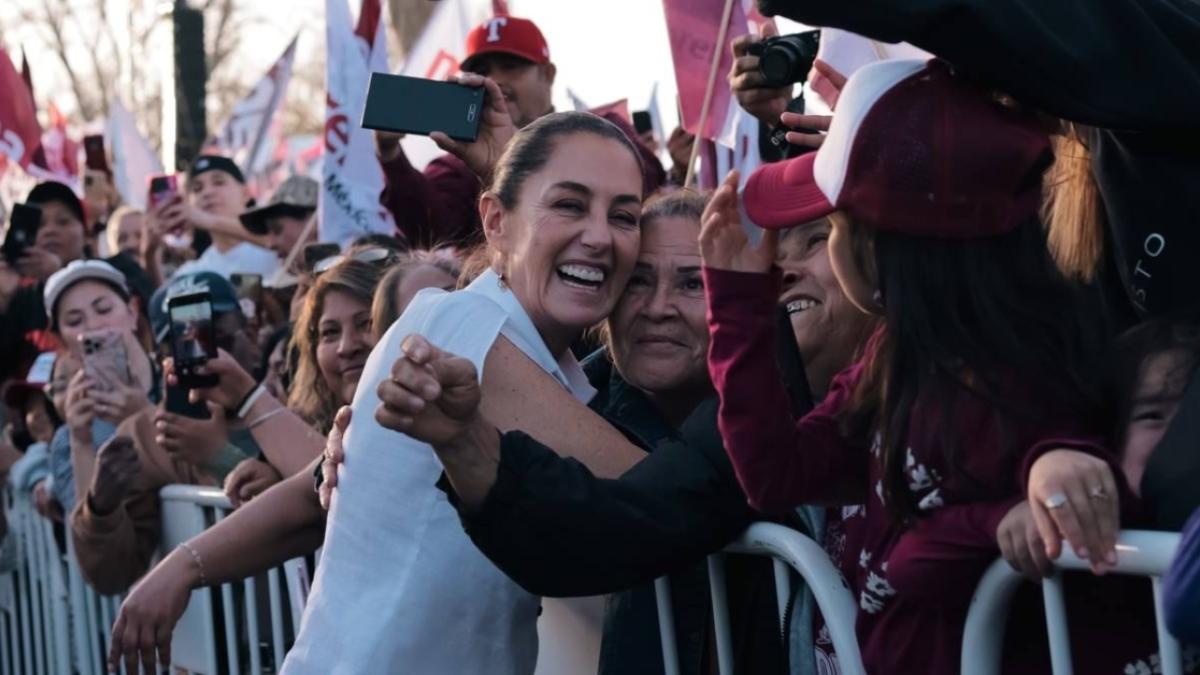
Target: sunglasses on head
374, 255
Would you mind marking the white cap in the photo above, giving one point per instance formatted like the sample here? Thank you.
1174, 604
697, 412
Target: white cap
81, 270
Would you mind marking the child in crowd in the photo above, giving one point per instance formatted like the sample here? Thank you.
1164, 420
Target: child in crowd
977, 390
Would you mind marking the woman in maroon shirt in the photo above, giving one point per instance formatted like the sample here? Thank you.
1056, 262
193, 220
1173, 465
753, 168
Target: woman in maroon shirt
978, 389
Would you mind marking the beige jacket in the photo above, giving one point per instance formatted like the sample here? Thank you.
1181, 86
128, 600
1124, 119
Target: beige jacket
114, 550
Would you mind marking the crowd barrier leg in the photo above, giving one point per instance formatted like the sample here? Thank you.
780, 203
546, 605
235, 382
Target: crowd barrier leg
1139, 553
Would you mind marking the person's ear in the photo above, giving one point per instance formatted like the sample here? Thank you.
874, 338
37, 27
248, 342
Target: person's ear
491, 214
549, 70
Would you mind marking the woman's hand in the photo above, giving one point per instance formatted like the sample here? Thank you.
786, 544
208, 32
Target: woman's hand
233, 383
1021, 544
250, 478
195, 441
1073, 496
38, 263
723, 241
45, 503
334, 455
81, 410
495, 129
149, 614
432, 396
121, 403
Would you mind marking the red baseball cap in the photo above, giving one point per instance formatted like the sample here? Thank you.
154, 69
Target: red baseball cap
506, 35
916, 149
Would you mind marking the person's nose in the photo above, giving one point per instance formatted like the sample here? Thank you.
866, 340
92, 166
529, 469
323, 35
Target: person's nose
661, 304
597, 234
351, 342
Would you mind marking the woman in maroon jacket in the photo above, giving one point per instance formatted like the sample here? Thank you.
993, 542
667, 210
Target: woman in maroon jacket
978, 389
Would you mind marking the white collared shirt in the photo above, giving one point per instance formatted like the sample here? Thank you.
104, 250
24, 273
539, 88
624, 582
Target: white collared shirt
400, 587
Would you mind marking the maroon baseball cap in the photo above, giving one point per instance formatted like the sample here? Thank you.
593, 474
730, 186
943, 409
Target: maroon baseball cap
506, 35
916, 149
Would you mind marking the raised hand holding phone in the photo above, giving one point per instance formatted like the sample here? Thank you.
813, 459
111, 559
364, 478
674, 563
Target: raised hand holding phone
496, 128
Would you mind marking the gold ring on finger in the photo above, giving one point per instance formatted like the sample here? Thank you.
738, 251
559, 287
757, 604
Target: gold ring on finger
1055, 501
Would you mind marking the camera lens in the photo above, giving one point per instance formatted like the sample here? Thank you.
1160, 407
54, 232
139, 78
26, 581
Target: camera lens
778, 65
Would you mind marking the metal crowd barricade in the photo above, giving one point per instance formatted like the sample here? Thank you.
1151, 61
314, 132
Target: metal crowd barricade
53, 623
1140, 553
788, 548
221, 631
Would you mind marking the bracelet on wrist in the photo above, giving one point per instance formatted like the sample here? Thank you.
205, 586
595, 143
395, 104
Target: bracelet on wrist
250, 399
198, 560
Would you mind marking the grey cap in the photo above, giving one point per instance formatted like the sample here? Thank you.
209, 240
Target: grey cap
296, 196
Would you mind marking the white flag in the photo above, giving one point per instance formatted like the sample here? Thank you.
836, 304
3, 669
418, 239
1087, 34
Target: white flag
436, 55
352, 179
245, 132
846, 52
133, 159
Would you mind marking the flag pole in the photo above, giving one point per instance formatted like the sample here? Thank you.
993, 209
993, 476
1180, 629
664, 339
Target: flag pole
718, 51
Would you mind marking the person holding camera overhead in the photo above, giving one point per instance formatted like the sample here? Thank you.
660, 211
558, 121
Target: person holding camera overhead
437, 206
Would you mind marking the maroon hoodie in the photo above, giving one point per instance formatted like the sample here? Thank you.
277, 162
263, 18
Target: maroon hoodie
912, 595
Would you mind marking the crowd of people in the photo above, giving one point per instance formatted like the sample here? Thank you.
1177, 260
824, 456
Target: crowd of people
959, 321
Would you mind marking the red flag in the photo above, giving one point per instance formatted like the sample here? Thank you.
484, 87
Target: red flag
620, 108
25, 72
58, 157
693, 27
20, 133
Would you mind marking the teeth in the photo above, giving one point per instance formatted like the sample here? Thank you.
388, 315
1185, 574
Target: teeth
801, 305
593, 275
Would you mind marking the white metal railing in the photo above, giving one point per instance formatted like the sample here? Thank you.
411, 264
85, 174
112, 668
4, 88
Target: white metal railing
788, 548
1139, 553
226, 629
52, 622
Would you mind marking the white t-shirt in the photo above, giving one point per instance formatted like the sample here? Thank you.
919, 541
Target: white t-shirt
245, 258
400, 588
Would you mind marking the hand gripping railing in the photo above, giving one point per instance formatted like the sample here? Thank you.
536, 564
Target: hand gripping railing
1140, 553
788, 548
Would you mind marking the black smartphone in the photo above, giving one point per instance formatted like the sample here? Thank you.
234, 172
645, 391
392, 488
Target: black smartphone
249, 292
177, 402
193, 340
642, 121
412, 105
22, 231
315, 253
93, 153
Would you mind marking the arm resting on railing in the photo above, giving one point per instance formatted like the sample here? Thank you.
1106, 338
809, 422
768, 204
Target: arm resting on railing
280, 524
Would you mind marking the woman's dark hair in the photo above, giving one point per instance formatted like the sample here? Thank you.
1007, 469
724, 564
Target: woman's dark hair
531, 147
282, 334
991, 317
385, 309
1175, 332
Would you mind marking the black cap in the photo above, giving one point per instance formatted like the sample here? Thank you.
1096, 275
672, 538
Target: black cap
53, 191
205, 163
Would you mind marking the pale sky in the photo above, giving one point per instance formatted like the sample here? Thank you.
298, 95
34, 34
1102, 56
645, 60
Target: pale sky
604, 51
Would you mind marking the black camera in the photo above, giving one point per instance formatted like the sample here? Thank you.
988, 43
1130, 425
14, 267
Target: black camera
786, 59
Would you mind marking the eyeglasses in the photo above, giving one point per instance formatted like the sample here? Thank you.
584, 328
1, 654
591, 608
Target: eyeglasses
374, 255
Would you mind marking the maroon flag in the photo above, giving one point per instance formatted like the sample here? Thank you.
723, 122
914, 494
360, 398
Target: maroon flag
20, 133
693, 27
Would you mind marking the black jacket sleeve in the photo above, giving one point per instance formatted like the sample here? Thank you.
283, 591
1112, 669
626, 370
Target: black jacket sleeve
1120, 64
559, 531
